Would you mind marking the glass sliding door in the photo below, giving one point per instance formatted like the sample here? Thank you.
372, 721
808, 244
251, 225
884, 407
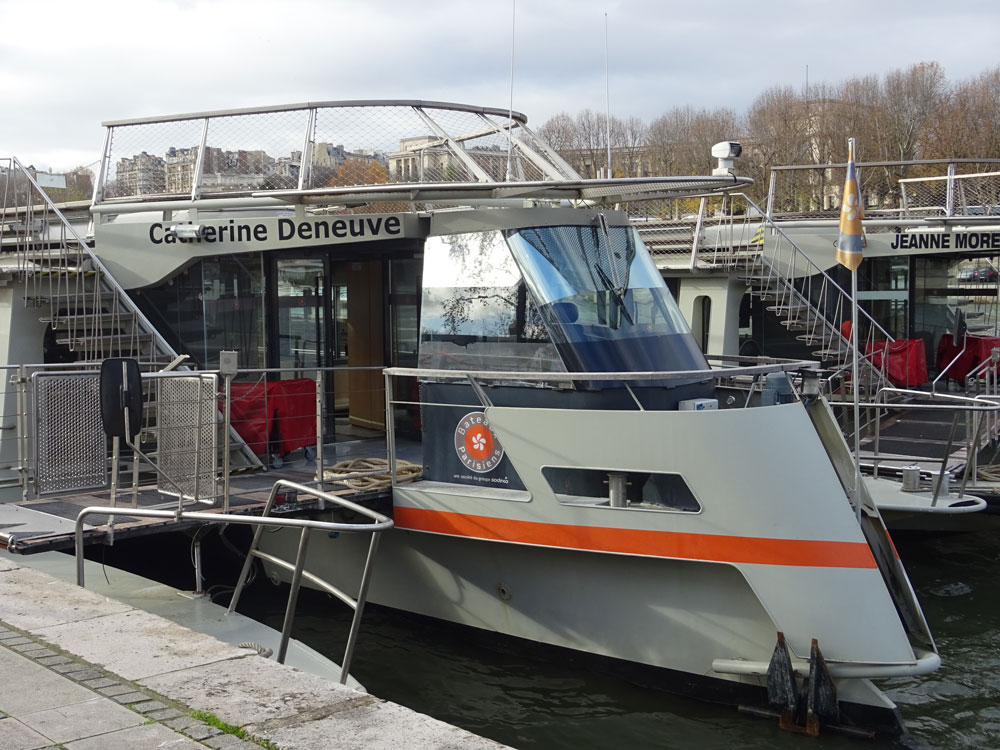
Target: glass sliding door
302, 313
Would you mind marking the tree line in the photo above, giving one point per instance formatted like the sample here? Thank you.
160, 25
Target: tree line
904, 115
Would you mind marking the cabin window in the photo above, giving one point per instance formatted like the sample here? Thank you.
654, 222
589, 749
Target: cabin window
603, 300
214, 304
701, 323
476, 313
632, 490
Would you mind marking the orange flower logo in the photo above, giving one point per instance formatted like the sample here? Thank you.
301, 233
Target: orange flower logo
476, 445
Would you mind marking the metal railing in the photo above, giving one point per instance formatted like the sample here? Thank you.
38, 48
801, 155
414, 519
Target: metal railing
316, 145
981, 409
89, 312
984, 381
732, 371
293, 421
379, 524
813, 190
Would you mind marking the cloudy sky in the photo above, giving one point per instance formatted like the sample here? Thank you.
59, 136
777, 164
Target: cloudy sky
67, 66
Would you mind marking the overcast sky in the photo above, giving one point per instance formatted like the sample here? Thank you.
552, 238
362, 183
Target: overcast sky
67, 66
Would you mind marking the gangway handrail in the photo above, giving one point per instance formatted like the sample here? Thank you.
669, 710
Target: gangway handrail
105, 274
380, 523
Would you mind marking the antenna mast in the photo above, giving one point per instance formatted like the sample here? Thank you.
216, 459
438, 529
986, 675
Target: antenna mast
607, 95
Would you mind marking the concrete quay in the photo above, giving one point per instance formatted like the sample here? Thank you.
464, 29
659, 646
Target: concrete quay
84, 672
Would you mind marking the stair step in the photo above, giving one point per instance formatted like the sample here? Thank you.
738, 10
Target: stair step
787, 307
83, 300
126, 339
63, 273
813, 338
832, 353
64, 321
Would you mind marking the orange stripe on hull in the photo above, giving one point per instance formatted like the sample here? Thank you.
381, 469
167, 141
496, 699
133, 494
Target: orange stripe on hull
674, 544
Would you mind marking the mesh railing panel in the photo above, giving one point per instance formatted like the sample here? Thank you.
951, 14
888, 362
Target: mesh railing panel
974, 195
889, 191
251, 152
364, 145
350, 144
142, 156
188, 438
71, 449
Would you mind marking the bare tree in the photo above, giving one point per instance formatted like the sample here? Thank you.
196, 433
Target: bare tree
560, 132
628, 140
592, 130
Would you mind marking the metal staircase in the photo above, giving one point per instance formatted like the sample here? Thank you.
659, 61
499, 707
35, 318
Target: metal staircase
805, 299
88, 315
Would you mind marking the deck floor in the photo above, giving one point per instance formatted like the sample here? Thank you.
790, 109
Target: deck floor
49, 523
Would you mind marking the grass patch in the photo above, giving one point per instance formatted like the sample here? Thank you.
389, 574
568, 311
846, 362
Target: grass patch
214, 721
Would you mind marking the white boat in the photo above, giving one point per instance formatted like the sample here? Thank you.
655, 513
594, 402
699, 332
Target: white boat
588, 481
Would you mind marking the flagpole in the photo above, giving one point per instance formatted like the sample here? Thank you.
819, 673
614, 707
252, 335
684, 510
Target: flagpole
857, 404
850, 245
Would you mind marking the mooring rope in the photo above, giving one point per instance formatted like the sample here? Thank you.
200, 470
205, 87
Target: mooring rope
371, 473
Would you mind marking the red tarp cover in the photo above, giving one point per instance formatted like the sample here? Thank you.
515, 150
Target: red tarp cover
977, 350
907, 365
281, 410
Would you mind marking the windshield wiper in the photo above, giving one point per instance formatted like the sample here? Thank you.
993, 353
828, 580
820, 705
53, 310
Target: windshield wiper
615, 294
613, 286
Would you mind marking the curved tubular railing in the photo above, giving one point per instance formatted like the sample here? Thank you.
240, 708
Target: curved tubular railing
769, 365
379, 524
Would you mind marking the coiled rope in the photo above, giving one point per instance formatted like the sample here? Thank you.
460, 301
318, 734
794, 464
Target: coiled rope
371, 473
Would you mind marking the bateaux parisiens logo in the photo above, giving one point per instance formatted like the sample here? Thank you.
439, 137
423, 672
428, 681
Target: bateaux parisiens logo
477, 447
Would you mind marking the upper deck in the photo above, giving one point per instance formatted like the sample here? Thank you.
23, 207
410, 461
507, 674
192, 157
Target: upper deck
350, 154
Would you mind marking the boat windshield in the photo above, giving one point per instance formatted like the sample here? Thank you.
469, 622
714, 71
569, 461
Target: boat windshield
605, 304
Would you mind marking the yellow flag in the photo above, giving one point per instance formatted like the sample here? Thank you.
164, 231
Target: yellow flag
852, 240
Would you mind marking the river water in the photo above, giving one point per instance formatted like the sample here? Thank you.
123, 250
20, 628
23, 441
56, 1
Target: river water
526, 703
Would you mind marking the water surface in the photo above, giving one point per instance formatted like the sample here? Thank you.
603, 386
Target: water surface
527, 703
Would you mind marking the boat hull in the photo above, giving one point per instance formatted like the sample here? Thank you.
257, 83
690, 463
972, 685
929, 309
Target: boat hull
661, 629
773, 546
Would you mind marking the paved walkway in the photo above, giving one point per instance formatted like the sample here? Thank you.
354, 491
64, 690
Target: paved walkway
84, 672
